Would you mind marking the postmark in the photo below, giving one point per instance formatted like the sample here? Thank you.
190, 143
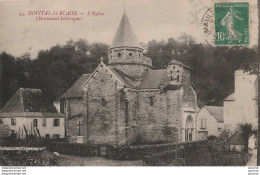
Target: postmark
208, 25
231, 23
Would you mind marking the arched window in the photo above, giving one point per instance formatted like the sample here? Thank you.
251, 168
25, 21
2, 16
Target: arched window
171, 78
189, 128
151, 101
103, 102
130, 54
139, 55
119, 54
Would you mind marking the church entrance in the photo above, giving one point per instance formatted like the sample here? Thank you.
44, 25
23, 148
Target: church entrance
189, 129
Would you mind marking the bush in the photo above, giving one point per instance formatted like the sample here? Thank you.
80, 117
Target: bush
27, 158
76, 149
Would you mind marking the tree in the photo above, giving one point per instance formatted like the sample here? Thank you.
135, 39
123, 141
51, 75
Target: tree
247, 131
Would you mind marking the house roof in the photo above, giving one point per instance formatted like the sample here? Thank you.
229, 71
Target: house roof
178, 63
231, 97
120, 76
28, 101
216, 112
125, 35
75, 90
153, 79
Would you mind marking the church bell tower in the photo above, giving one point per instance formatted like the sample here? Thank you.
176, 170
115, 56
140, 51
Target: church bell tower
125, 53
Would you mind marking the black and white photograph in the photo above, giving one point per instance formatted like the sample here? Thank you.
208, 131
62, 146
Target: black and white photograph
129, 83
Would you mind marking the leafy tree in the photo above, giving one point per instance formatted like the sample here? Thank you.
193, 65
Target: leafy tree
247, 131
56, 69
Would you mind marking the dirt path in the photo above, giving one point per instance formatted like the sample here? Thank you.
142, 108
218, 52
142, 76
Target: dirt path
65, 160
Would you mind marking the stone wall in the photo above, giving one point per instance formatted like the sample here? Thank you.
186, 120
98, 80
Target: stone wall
102, 119
74, 110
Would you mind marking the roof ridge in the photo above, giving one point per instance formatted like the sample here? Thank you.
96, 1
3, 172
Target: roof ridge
21, 97
214, 106
9, 101
122, 73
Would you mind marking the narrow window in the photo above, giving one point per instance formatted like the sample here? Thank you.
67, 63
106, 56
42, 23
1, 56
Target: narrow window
35, 122
103, 102
1, 121
139, 55
130, 54
13, 122
203, 123
178, 78
44, 122
171, 78
151, 101
56, 122
119, 54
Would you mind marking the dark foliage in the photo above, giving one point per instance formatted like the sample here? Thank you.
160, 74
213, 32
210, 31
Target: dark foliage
27, 158
56, 69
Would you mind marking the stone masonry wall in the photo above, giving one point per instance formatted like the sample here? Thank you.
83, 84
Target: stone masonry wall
102, 120
189, 95
73, 109
154, 122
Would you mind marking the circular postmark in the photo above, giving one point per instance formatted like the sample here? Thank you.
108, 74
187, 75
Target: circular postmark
208, 26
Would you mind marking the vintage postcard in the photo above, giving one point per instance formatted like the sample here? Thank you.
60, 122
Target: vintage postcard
128, 83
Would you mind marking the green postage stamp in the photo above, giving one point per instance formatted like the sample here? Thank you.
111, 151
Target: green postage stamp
232, 23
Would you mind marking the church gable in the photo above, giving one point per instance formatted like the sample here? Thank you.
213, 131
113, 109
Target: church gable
103, 70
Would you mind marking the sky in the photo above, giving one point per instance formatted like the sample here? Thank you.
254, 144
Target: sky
150, 19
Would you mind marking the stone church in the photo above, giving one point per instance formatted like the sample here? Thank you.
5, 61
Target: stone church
126, 102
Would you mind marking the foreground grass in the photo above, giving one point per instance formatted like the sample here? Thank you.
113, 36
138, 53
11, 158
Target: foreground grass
67, 160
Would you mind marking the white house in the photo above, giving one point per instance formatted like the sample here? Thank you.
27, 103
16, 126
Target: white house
26, 112
209, 121
241, 106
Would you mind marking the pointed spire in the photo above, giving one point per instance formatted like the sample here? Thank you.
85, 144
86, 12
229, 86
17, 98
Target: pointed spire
125, 36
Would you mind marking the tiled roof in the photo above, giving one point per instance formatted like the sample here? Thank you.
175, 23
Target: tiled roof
125, 35
120, 76
26, 101
231, 97
153, 79
178, 63
75, 90
217, 112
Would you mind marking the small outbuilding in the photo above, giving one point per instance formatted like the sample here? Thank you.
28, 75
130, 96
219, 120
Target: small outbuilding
28, 113
209, 121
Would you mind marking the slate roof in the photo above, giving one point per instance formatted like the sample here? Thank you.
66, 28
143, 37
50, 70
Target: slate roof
28, 102
216, 112
75, 90
125, 35
178, 63
153, 79
120, 76
231, 97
